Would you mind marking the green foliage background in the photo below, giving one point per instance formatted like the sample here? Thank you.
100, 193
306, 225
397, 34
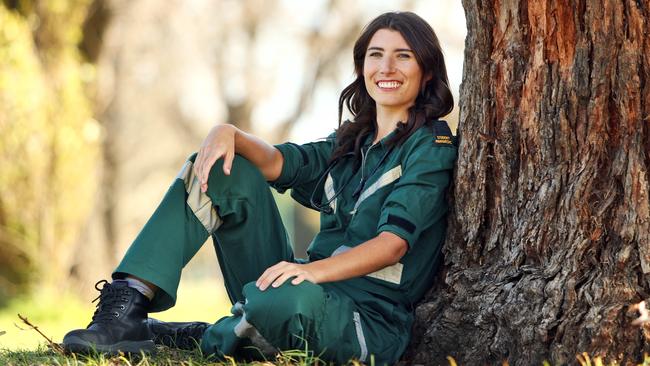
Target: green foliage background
49, 143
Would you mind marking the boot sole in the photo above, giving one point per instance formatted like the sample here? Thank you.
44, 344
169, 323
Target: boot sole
78, 345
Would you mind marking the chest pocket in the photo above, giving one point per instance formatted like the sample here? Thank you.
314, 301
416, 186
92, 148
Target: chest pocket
386, 179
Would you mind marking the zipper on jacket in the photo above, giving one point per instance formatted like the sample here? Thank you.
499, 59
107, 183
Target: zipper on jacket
361, 184
363, 160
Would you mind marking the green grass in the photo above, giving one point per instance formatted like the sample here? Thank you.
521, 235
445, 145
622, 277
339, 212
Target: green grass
55, 314
202, 300
163, 356
167, 357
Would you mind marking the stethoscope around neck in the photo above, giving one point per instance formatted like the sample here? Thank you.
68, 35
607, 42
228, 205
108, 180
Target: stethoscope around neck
326, 208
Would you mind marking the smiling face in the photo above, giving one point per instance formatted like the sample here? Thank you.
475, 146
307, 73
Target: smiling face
391, 73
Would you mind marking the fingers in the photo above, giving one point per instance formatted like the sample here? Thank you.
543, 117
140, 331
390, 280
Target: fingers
270, 275
204, 161
209, 161
199, 166
197, 162
219, 143
298, 280
282, 279
227, 162
278, 274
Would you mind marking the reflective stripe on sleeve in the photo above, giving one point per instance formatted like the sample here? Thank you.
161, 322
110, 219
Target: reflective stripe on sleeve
392, 274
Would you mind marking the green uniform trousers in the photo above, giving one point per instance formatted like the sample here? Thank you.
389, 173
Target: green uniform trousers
248, 236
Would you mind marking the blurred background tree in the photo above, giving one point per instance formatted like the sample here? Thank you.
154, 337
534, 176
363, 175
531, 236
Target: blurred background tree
49, 141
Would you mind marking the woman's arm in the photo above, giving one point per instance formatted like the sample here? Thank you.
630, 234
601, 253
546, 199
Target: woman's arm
224, 141
379, 252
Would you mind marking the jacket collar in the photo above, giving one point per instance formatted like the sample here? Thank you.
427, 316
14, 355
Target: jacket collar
370, 137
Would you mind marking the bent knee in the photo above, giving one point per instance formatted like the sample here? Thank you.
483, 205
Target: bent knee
287, 301
241, 168
243, 174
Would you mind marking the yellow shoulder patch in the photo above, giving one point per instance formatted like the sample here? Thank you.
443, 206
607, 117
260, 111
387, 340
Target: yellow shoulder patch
442, 135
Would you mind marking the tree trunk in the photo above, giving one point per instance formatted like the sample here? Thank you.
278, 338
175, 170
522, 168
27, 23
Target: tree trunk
549, 238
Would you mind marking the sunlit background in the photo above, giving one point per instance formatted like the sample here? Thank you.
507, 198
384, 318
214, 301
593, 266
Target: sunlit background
102, 101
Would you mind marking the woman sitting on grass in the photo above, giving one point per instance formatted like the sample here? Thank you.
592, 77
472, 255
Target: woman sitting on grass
379, 182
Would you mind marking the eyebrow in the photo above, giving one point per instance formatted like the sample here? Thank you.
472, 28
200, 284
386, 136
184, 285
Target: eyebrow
396, 50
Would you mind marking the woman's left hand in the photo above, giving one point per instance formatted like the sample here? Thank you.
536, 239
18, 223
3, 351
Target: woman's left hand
277, 274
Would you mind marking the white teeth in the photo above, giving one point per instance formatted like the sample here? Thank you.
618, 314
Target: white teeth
389, 84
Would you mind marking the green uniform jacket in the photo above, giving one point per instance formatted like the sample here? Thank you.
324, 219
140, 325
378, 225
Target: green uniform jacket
400, 190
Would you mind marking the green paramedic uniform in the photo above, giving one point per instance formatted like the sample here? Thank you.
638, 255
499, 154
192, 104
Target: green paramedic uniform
399, 190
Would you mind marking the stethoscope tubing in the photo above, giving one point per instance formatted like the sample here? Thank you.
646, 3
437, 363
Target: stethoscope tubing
325, 207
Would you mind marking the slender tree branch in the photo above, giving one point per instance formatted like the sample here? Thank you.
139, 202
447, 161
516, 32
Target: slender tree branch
55, 346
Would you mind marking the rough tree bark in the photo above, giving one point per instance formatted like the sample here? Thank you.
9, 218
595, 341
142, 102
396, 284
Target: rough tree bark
549, 238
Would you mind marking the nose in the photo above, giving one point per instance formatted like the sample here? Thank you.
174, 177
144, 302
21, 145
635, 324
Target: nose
387, 65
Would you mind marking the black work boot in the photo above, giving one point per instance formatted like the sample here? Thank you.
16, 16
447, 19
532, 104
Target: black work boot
119, 323
184, 335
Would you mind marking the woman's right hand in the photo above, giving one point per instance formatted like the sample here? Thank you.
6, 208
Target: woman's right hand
220, 143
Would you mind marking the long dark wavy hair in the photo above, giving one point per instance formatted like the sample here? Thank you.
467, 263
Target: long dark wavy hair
433, 101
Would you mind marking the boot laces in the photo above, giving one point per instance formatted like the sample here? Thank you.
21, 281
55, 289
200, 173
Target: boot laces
111, 302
